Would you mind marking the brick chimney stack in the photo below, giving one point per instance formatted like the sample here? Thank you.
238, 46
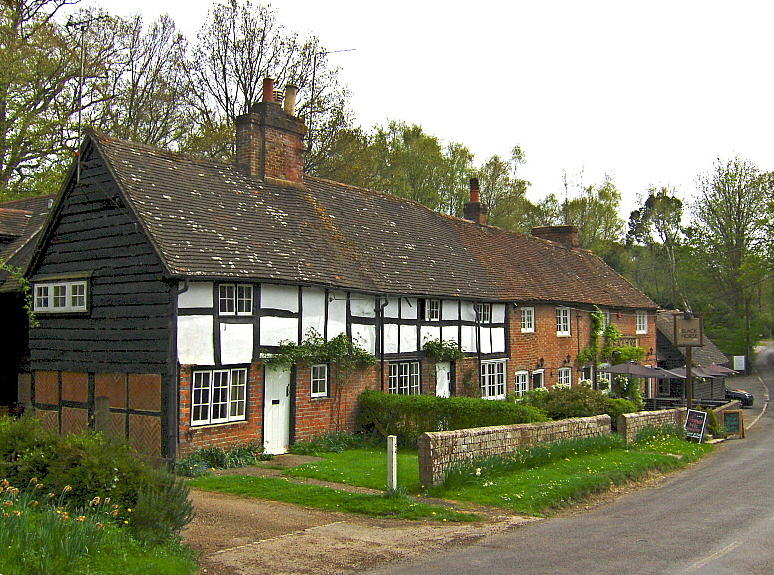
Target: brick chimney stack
270, 139
473, 210
565, 235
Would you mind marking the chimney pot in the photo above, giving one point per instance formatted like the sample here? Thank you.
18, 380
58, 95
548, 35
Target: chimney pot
290, 99
268, 89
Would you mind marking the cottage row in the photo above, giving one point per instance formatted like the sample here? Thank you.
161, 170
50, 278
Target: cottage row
160, 281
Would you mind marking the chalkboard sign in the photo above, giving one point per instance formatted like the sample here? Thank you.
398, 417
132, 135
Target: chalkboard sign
694, 424
733, 421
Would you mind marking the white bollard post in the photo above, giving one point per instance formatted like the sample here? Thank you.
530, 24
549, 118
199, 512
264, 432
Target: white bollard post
392, 463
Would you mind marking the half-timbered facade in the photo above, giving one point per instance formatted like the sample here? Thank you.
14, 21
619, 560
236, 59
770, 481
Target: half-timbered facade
162, 280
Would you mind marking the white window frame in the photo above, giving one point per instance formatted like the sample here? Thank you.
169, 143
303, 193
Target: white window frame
605, 318
527, 320
493, 378
484, 312
640, 322
238, 302
563, 322
319, 380
542, 374
45, 298
404, 378
521, 381
564, 376
433, 310
231, 399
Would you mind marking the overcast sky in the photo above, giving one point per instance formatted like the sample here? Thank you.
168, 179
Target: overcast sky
648, 92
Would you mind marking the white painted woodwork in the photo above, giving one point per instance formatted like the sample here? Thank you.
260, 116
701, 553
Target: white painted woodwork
337, 313
443, 379
498, 313
429, 333
498, 340
277, 329
450, 309
408, 338
194, 340
409, 308
450, 333
486, 340
468, 311
312, 310
198, 295
365, 337
236, 343
362, 305
279, 297
469, 338
276, 410
391, 309
390, 338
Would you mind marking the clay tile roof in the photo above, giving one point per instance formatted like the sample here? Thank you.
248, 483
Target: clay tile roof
24, 219
209, 220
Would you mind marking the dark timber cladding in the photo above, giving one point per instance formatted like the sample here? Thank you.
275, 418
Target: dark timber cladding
127, 327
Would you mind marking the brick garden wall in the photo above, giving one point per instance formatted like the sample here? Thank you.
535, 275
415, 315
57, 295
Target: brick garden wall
441, 449
630, 424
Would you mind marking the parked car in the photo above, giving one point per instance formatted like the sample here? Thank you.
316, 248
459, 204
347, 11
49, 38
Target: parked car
745, 397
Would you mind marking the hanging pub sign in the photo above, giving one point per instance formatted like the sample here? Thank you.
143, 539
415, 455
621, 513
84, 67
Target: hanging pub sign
695, 421
689, 332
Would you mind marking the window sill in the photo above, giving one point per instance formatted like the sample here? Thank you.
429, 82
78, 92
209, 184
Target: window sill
558, 334
640, 333
317, 397
210, 425
527, 330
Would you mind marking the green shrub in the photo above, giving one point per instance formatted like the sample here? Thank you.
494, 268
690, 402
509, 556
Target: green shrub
564, 402
206, 458
334, 443
162, 509
408, 416
89, 465
713, 424
618, 406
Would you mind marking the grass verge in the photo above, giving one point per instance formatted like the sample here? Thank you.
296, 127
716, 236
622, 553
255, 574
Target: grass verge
281, 489
538, 480
364, 467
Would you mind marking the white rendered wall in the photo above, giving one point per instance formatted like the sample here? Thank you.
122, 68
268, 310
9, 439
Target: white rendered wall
279, 297
365, 337
277, 329
468, 311
409, 307
408, 338
390, 338
450, 309
429, 333
450, 333
498, 313
198, 295
469, 338
312, 310
498, 340
194, 340
362, 305
391, 309
236, 343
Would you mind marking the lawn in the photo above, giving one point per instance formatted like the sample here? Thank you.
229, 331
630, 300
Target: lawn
364, 467
282, 489
567, 478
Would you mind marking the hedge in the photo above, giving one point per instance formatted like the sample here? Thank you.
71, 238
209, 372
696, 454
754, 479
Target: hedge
408, 416
577, 401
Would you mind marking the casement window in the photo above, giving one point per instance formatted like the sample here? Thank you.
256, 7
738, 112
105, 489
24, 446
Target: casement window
522, 382
493, 379
320, 380
235, 299
562, 321
605, 319
484, 312
527, 319
538, 379
404, 378
61, 297
565, 376
219, 396
640, 321
432, 309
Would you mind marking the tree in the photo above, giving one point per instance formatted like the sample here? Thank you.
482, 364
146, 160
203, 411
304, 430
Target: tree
657, 226
504, 193
731, 239
595, 213
239, 45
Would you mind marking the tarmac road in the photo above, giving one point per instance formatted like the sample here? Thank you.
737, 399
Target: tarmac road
716, 518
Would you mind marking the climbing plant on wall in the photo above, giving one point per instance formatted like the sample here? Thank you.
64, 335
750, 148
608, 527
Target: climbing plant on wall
314, 348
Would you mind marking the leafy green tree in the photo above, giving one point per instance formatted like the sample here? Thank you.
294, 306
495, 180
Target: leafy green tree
594, 210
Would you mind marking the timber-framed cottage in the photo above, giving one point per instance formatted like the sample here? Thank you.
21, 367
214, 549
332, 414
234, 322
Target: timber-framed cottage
160, 279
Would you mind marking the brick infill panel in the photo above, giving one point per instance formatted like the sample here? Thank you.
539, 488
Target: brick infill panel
440, 450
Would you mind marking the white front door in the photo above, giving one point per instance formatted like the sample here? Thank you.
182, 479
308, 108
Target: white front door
276, 410
443, 379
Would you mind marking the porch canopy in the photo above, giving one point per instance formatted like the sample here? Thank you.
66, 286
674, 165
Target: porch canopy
635, 369
719, 370
697, 371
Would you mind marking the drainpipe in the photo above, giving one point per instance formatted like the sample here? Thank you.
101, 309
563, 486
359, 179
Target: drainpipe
382, 305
